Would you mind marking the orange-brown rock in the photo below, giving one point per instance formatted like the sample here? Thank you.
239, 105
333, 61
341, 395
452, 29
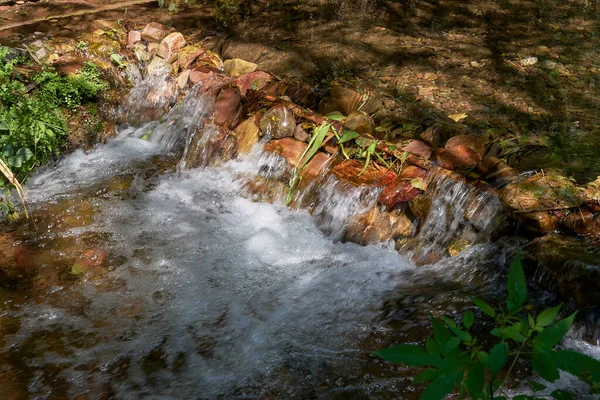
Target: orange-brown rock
288, 148
376, 226
316, 165
247, 134
360, 122
583, 222
374, 175
132, 38
495, 168
169, 47
228, 108
460, 157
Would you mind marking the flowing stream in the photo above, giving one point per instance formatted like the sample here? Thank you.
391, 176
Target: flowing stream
142, 279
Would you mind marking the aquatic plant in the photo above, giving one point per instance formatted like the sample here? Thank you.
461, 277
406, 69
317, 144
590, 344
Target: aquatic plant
456, 358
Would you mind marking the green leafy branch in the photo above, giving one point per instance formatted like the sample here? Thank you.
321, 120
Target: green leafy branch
456, 359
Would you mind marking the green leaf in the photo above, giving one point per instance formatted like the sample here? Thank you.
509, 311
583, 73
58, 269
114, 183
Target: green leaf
468, 319
562, 395
483, 306
15, 161
536, 386
409, 355
498, 357
348, 135
392, 148
336, 117
25, 153
484, 358
552, 335
517, 289
432, 347
8, 151
425, 376
476, 380
514, 332
577, 364
548, 316
441, 333
531, 321
3, 126
542, 362
496, 332
442, 384
451, 344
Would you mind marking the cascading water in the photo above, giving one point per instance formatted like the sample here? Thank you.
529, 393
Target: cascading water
144, 279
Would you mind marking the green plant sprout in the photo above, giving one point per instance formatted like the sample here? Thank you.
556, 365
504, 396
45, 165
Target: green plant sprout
455, 358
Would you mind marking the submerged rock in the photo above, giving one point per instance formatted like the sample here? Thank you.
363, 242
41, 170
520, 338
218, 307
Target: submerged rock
405, 187
378, 226
288, 148
247, 134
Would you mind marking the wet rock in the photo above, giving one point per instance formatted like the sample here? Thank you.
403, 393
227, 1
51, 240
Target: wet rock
141, 52
458, 246
247, 134
300, 134
170, 46
187, 55
108, 26
198, 76
476, 143
155, 32
288, 148
183, 79
278, 123
91, 262
403, 187
228, 108
461, 157
316, 165
13, 259
253, 81
157, 66
378, 226
583, 222
360, 122
420, 205
237, 67
216, 149
495, 168
133, 37
575, 265
418, 148
374, 175
528, 62
202, 58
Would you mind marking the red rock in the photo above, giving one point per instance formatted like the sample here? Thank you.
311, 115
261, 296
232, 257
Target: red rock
70, 68
254, 80
228, 108
349, 171
315, 165
418, 148
155, 32
402, 189
132, 38
288, 148
583, 223
476, 143
170, 46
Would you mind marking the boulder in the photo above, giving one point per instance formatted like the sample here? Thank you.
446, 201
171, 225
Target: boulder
228, 108
237, 67
374, 175
155, 32
169, 47
278, 123
247, 134
360, 122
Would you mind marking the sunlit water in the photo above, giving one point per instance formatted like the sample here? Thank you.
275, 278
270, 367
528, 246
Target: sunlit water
200, 292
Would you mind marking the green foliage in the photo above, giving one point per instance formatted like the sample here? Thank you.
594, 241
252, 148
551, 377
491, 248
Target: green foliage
229, 12
457, 359
32, 125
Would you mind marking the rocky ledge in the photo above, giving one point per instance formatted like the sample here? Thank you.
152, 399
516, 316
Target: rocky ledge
252, 106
